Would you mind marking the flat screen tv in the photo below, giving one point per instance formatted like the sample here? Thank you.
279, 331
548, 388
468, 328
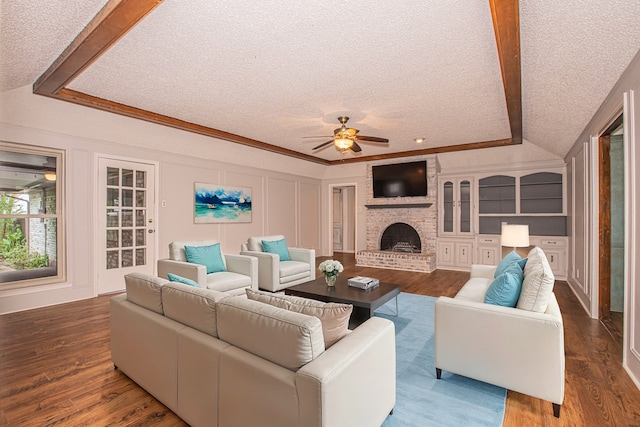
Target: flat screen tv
400, 179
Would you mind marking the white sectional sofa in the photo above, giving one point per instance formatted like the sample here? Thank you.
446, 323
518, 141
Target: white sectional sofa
228, 361
521, 349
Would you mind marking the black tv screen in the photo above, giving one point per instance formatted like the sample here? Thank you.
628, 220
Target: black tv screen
400, 179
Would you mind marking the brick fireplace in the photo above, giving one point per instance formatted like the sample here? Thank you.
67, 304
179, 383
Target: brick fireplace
401, 231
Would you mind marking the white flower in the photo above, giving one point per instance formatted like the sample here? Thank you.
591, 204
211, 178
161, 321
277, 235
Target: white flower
331, 267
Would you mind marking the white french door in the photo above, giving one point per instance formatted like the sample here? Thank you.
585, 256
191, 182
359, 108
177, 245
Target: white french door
126, 224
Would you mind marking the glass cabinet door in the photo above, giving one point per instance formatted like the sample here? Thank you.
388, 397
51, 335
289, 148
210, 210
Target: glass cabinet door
457, 204
465, 207
448, 206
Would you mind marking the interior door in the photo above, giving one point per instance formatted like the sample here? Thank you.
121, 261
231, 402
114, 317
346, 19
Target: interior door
126, 225
337, 220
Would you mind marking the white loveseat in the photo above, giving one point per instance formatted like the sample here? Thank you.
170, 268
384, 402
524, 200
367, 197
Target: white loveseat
241, 271
514, 348
228, 361
274, 274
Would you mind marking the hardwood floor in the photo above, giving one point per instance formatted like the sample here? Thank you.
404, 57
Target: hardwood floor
55, 366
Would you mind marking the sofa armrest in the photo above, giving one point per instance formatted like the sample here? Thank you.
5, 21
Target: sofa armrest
305, 255
353, 383
189, 270
512, 348
243, 264
484, 271
268, 269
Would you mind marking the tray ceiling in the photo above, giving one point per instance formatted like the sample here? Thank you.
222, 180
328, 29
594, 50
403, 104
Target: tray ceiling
274, 72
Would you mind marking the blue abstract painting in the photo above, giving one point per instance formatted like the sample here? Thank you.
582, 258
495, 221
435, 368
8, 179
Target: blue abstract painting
220, 203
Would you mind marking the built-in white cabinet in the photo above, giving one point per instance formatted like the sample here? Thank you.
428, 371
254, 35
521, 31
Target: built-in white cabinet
455, 253
556, 251
456, 206
489, 250
473, 207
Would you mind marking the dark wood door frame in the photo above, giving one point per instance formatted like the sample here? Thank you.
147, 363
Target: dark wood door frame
604, 220
604, 228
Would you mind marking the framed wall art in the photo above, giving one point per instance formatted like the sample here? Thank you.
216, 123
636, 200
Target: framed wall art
214, 203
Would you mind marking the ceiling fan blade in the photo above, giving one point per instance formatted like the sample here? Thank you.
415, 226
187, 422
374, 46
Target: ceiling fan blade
324, 144
371, 138
355, 147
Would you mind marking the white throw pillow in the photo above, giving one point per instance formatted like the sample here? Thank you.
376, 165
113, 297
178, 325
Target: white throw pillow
334, 316
538, 282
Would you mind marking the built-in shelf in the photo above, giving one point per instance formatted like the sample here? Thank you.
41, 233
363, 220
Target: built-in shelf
399, 205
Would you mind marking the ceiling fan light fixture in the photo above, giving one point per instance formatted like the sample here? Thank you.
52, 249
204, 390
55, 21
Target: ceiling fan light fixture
50, 176
343, 143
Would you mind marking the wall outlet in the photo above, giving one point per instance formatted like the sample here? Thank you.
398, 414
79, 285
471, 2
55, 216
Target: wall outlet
163, 204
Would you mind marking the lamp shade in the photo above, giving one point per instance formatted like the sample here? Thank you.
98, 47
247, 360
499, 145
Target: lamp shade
515, 235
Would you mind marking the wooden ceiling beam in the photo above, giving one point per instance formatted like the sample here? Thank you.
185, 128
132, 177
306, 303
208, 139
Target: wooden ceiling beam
113, 21
422, 152
506, 26
86, 100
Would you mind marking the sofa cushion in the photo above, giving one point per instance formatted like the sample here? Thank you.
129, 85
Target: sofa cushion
506, 261
538, 282
255, 243
144, 290
179, 279
291, 268
209, 256
505, 289
334, 316
194, 307
278, 247
474, 290
224, 281
281, 336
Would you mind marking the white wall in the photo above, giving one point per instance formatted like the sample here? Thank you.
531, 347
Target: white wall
624, 96
283, 203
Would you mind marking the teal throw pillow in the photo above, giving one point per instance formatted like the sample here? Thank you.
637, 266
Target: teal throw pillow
508, 259
209, 256
522, 263
278, 247
175, 278
505, 289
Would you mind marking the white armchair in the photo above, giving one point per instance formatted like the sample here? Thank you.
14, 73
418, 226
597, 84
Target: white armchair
275, 275
242, 270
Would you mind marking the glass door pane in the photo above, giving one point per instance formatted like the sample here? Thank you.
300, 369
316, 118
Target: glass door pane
126, 208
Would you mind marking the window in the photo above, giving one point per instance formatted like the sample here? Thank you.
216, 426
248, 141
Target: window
31, 221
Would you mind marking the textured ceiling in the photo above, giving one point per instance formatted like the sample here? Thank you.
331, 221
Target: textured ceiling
276, 71
33, 34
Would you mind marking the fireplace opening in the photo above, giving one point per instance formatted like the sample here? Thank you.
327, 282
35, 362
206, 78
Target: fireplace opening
400, 237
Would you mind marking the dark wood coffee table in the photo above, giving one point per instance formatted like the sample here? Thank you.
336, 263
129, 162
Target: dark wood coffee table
364, 302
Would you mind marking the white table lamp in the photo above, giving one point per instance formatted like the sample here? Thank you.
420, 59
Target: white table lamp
515, 236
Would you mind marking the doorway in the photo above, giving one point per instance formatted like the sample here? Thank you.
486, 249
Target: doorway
343, 218
126, 221
611, 229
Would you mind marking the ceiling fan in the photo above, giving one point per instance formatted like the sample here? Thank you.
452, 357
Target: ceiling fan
345, 138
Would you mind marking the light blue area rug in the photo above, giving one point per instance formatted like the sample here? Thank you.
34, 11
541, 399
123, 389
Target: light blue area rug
421, 399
